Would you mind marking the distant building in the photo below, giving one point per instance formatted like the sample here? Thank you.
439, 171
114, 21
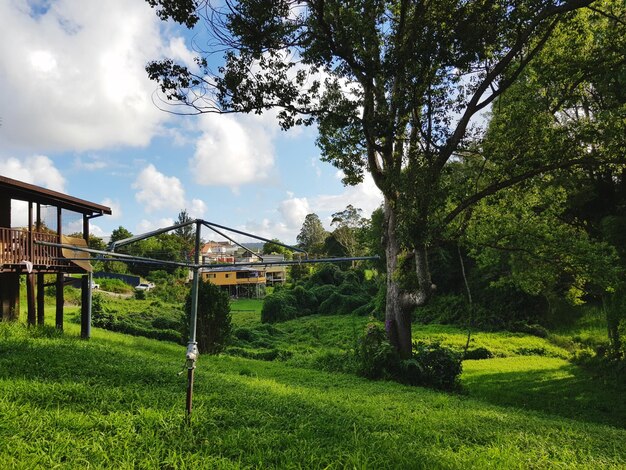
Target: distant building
238, 281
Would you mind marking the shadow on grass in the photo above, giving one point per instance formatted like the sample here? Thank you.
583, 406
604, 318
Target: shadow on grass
547, 385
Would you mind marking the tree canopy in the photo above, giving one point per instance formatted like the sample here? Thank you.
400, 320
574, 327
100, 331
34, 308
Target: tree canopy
394, 87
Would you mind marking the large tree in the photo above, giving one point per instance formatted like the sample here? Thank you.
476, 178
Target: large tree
312, 234
393, 87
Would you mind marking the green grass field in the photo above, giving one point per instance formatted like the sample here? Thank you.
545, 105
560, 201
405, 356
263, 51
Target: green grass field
117, 401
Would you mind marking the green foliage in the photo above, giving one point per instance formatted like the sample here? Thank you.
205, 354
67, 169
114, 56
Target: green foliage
279, 306
213, 327
151, 319
375, 357
477, 354
171, 291
114, 285
432, 365
312, 234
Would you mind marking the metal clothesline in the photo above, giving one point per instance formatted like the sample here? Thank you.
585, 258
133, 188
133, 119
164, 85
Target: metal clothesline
192, 353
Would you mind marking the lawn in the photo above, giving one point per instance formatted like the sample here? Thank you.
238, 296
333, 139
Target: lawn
117, 401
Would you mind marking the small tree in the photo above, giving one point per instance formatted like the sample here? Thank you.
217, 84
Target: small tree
213, 328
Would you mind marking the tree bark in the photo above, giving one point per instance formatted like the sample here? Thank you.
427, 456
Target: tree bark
398, 304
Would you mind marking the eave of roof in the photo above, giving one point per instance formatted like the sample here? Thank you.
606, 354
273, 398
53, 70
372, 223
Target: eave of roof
29, 192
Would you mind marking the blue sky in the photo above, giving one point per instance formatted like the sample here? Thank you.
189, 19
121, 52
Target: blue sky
78, 116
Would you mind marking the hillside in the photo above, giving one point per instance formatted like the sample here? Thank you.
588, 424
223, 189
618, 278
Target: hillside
117, 402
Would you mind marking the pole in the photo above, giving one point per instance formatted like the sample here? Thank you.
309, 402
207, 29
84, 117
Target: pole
192, 346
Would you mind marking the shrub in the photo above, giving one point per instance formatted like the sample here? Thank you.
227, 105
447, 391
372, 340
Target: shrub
375, 357
279, 306
213, 327
478, 353
101, 316
114, 285
306, 301
327, 274
172, 292
432, 365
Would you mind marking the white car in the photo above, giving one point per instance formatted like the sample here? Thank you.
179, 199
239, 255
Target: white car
144, 286
95, 285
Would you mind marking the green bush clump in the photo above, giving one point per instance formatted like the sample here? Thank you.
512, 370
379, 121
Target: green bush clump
305, 301
213, 326
114, 285
171, 292
432, 365
375, 357
478, 353
338, 304
101, 316
280, 306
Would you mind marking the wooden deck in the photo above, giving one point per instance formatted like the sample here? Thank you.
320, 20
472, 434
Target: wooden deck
17, 246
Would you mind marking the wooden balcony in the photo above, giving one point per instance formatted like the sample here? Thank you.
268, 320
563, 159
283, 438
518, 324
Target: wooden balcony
17, 245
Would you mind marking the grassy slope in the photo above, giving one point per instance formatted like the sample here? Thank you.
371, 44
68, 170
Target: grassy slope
117, 401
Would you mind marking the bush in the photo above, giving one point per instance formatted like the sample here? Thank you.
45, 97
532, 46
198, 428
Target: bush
280, 306
213, 327
306, 301
101, 316
171, 292
375, 357
114, 285
478, 353
432, 365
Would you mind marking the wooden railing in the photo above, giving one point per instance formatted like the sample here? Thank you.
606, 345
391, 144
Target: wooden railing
16, 246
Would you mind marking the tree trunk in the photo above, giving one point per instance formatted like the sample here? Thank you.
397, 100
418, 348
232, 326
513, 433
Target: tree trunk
397, 310
400, 302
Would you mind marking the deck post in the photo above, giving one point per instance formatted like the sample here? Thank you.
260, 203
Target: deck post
9, 296
40, 299
30, 299
85, 311
60, 301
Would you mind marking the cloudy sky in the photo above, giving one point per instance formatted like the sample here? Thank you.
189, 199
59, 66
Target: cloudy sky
77, 116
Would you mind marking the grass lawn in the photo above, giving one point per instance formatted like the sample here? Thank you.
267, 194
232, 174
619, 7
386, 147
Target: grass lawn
117, 401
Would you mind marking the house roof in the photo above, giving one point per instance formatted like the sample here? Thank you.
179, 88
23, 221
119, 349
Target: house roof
19, 190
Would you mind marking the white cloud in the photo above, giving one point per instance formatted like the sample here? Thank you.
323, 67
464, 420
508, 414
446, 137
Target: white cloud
364, 196
91, 163
233, 150
268, 229
148, 225
116, 208
38, 169
157, 191
197, 209
76, 226
294, 210
72, 76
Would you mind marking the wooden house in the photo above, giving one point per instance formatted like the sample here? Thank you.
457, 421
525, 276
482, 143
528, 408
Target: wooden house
22, 256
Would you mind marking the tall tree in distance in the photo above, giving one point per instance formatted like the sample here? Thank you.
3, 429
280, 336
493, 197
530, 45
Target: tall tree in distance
393, 87
348, 227
312, 234
186, 234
